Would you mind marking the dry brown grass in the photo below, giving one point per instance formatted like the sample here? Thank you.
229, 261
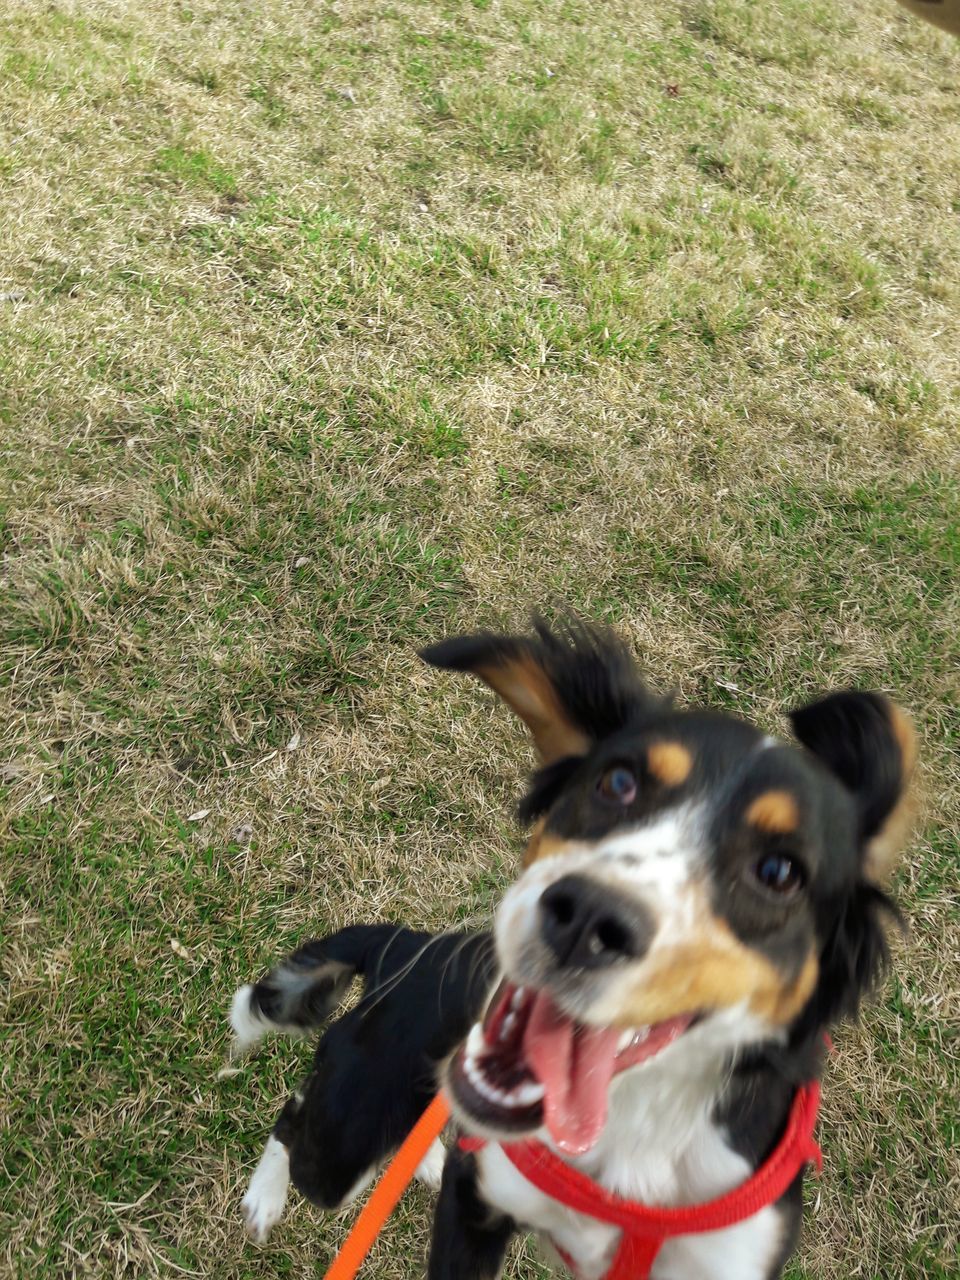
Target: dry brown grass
328, 330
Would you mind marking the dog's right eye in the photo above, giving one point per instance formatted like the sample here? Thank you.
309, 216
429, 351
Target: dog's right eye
779, 873
618, 785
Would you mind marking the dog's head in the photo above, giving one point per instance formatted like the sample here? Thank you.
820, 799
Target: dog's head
691, 885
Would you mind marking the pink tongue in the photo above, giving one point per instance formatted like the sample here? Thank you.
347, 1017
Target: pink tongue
575, 1065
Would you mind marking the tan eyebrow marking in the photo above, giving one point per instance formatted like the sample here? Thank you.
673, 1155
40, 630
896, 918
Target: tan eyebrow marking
775, 813
669, 762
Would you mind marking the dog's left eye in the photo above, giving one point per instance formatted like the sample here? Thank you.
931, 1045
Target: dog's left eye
779, 873
619, 785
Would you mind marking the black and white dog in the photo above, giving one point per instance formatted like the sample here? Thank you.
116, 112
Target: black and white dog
700, 902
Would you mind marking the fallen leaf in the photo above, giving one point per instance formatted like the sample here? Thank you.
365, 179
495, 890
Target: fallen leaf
227, 1073
294, 741
242, 834
179, 949
198, 816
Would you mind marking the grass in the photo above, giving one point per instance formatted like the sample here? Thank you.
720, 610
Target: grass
328, 330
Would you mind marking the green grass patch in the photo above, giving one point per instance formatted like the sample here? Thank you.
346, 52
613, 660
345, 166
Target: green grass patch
323, 336
195, 168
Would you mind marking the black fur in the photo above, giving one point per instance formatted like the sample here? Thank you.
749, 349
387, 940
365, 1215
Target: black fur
855, 955
754, 1110
375, 1068
304, 989
546, 786
591, 670
851, 733
469, 1238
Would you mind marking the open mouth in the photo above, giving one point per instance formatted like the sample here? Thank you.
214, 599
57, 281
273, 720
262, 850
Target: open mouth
528, 1063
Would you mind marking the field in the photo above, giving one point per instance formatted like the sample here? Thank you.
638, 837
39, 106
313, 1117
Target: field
329, 328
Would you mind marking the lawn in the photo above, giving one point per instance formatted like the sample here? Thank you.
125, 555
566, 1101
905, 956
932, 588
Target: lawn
328, 328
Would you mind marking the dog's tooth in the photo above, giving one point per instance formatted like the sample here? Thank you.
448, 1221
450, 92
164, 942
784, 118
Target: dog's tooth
641, 1034
489, 1091
529, 1093
476, 1041
625, 1041
509, 1022
486, 1089
518, 997
472, 1071
524, 1095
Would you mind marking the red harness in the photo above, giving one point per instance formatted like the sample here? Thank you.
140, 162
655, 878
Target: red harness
645, 1230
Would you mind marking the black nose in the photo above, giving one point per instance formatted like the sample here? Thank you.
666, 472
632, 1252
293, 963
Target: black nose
589, 926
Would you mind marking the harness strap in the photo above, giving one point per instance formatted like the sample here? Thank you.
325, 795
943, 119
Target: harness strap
634, 1258
645, 1228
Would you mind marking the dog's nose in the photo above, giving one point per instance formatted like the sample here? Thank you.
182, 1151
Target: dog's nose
589, 926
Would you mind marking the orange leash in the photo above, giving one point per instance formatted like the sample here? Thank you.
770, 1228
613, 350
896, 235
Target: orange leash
396, 1178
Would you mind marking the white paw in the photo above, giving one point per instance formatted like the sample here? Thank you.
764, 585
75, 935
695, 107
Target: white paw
430, 1169
266, 1196
249, 1026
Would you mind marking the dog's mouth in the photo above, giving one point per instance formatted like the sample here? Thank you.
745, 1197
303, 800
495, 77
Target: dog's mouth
528, 1063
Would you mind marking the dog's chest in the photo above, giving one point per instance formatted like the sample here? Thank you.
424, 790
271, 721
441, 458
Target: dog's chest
707, 1168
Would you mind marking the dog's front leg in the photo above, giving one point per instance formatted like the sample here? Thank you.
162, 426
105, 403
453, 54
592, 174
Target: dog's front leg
469, 1236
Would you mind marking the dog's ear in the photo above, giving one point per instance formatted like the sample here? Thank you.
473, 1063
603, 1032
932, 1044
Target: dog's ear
571, 686
869, 743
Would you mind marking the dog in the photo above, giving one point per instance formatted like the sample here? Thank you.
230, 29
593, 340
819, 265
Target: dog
700, 903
